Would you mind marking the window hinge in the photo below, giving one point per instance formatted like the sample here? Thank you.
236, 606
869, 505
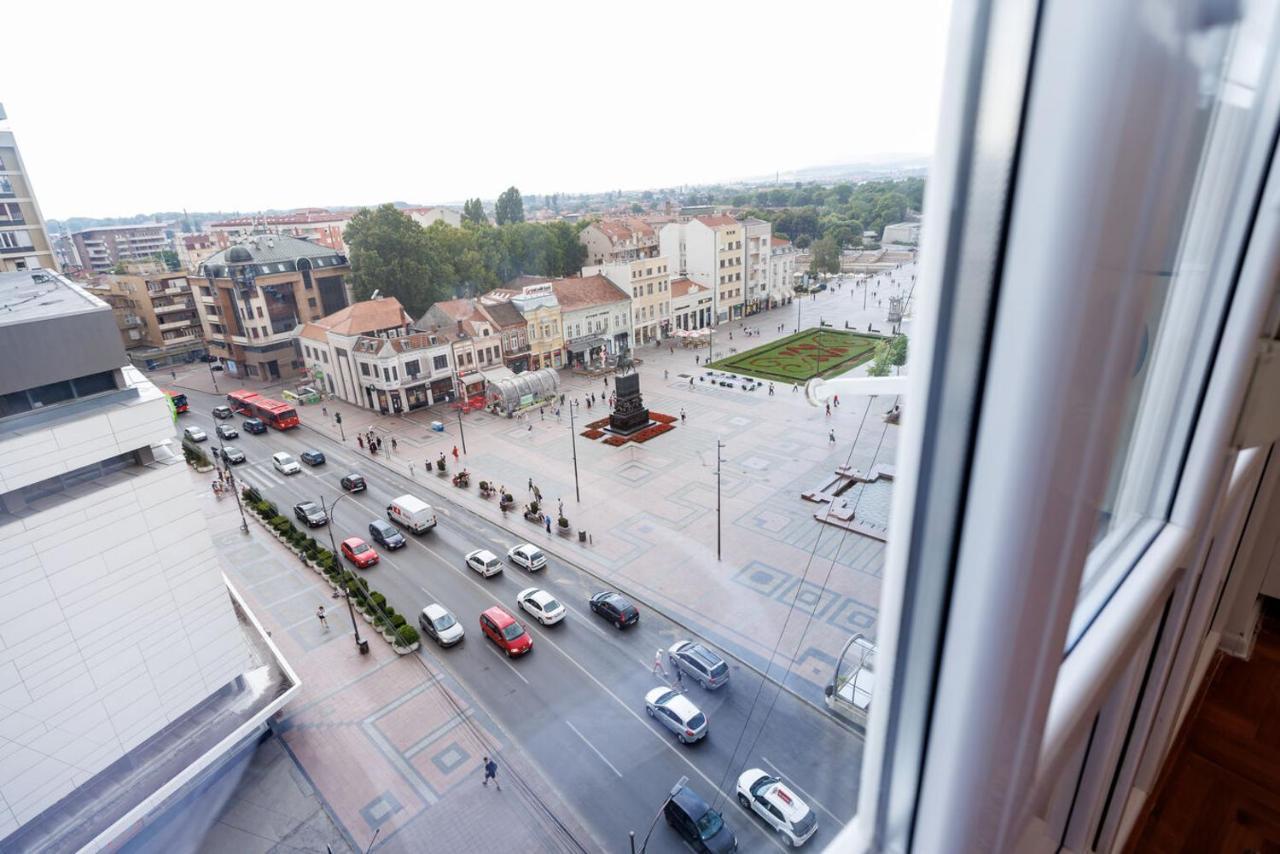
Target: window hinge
1259, 422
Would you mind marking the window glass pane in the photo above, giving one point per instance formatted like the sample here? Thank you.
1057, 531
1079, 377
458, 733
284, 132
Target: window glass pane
52, 393
95, 383
1192, 246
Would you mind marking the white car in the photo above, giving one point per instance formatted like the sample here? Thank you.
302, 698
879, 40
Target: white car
541, 605
437, 622
528, 556
195, 434
484, 562
285, 463
779, 806
677, 713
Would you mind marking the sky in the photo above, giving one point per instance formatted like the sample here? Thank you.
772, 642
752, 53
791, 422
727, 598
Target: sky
132, 107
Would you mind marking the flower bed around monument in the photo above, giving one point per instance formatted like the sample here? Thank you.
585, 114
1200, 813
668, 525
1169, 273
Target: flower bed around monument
665, 419
596, 425
649, 432
615, 441
592, 433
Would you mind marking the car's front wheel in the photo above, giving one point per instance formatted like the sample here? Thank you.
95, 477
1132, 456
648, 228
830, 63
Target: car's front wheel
649, 709
742, 799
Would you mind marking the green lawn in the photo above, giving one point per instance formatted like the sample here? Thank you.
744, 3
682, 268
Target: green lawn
799, 357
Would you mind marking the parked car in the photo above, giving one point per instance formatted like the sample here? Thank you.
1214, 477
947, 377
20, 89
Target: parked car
541, 605
285, 463
208, 357
436, 622
215, 367
254, 425
353, 483
226, 431
412, 512
232, 455
697, 823
358, 552
312, 457
615, 608
677, 713
310, 513
222, 412
385, 534
195, 434
781, 808
707, 669
484, 562
528, 556
503, 629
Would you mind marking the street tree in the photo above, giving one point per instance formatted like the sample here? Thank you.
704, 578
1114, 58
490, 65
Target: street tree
473, 211
509, 208
880, 362
390, 253
826, 256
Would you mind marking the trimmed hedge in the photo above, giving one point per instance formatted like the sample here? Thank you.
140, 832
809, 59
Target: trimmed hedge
407, 635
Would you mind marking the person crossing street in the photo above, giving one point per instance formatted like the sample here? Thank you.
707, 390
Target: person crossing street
491, 773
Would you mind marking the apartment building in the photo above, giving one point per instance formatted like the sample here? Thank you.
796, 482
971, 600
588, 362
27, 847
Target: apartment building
710, 250
648, 281
320, 226
131, 672
474, 338
757, 252
252, 296
782, 271
368, 355
429, 215
194, 249
156, 315
691, 304
609, 241
596, 315
100, 249
512, 328
24, 240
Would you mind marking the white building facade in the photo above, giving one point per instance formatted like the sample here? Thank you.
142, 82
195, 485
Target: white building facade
648, 281
710, 251
757, 251
782, 271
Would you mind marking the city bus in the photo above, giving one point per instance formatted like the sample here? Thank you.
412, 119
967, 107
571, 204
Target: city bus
179, 401
279, 415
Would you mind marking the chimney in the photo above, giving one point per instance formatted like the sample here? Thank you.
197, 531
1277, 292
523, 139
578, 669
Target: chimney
460, 328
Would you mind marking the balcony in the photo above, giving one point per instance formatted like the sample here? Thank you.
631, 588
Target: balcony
182, 323
182, 305
17, 250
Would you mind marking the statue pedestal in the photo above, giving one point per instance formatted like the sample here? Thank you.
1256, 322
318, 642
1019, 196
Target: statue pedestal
629, 414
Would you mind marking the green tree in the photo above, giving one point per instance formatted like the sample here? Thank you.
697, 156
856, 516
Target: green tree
637, 208
509, 208
880, 363
826, 256
897, 351
802, 241
473, 211
170, 260
390, 253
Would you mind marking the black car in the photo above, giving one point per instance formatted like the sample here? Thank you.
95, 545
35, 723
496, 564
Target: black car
232, 455
226, 431
208, 358
222, 412
615, 608
697, 823
254, 425
353, 483
385, 534
310, 513
312, 457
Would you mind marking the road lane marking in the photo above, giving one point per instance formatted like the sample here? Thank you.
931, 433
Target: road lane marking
808, 797
510, 666
593, 749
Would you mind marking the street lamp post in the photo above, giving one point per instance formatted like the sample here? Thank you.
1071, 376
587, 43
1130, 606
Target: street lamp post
461, 432
573, 440
213, 377
799, 302
719, 445
674, 790
328, 512
231, 478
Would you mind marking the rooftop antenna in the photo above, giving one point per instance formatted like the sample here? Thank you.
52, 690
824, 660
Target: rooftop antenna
375, 293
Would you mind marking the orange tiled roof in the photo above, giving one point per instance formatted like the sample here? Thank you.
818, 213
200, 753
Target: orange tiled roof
359, 318
584, 291
681, 287
716, 220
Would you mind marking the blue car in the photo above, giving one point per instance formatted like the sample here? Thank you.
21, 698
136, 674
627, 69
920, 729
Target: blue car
312, 457
254, 425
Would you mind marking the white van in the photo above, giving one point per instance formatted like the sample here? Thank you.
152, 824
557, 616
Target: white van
413, 513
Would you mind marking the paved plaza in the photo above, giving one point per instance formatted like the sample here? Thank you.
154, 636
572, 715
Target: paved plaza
650, 510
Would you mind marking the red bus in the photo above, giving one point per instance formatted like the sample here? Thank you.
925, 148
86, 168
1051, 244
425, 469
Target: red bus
279, 415
179, 401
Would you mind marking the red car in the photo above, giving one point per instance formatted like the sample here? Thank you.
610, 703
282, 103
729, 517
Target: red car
504, 630
359, 552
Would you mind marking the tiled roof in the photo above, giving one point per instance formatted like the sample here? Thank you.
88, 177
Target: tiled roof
503, 314
681, 287
360, 318
716, 220
295, 218
457, 309
587, 291
779, 241
623, 230
420, 340
523, 281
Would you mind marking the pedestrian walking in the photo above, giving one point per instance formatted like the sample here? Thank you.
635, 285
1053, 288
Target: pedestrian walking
606, 382
455, 454
530, 428
828, 408
537, 493
658, 669
394, 444
324, 622
324, 410
491, 773
542, 414
682, 415
831, 436
697, 359
173, 375
360, 442
836, 399
560, 509
546, 518
795, 387
679, 677
531, 484
665, 374
770, 389
690, 382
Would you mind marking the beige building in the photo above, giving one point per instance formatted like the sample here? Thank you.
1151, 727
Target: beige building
475, 340
710, 250
541, 311
648, 282
690, 304
24, 241
253, 296
193, 249
782, 271
609, 241
101, 249
756, 254
157, 317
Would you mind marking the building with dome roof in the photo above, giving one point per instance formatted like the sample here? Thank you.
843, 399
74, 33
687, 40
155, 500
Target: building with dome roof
253, 296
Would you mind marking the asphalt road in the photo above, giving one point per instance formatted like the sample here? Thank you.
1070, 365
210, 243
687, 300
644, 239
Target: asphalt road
575, 703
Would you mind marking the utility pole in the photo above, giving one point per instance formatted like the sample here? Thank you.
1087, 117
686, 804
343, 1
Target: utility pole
337, 416
222, 452
799, 302
328, 512
213, 376
719, 445
461, 432
573, 440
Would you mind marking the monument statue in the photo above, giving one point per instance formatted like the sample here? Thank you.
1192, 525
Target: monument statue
629, 414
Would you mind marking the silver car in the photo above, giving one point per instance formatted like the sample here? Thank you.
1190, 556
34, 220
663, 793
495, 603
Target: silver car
704, 666
677, 714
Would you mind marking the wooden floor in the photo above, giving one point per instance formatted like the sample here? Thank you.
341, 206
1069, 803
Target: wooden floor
1220, 789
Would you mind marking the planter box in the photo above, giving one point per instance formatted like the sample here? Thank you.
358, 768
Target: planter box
405, 650
204, 469
534, 518
565, 532
389, 637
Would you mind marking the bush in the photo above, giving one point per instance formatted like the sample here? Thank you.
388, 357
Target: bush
507, 499
563, 522
484, 484
379, 601
534, 507
250, 495
397, 620
406, 635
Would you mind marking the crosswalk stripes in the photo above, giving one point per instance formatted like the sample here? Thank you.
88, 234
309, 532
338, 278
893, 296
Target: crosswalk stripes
265, 473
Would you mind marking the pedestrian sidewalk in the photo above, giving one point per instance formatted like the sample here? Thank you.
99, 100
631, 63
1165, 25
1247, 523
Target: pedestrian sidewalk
650, 511
391, 744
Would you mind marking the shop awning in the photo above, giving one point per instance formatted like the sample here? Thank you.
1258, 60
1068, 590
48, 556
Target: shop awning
582, 345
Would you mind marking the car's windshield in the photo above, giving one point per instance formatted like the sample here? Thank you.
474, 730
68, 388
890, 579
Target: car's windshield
360, 549
710, 823
513, 631
445, 622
